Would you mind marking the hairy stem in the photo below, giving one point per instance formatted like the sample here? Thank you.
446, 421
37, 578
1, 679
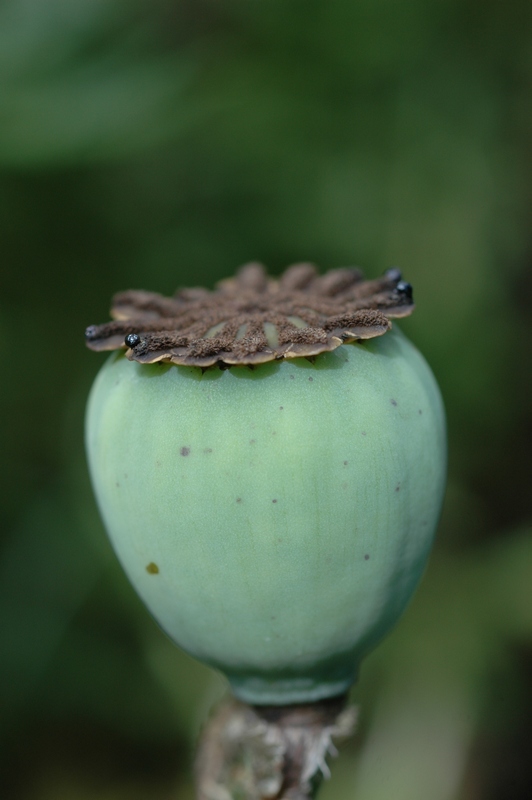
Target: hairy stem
269, 752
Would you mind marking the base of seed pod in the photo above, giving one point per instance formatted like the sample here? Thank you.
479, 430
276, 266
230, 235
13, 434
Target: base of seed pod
270, 752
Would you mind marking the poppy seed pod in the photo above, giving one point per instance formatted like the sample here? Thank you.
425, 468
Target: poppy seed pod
269, 461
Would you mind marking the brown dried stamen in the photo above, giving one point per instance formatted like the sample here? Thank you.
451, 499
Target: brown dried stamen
253, 318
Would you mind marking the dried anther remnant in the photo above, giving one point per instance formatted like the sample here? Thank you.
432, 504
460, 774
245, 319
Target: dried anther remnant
253, 318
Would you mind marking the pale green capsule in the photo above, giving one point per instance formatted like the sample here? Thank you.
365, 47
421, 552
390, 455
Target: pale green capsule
275, 521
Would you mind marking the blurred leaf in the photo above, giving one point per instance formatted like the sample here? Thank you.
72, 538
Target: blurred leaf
46, 573
80, 86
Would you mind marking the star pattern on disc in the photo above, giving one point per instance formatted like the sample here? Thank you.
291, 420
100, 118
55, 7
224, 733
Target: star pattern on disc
253, 318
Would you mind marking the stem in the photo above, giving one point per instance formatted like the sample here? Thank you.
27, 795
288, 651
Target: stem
269, 752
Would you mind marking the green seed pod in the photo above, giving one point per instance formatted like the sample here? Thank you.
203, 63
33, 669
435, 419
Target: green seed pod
274, 520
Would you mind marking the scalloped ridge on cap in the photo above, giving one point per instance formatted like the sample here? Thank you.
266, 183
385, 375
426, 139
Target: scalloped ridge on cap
252, 318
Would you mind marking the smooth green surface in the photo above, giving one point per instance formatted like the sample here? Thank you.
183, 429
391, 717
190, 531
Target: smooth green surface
289, 509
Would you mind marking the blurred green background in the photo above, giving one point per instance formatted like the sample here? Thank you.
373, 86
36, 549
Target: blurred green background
154, 143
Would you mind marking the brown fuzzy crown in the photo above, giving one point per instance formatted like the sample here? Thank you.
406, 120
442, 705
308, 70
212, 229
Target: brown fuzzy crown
252, 318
